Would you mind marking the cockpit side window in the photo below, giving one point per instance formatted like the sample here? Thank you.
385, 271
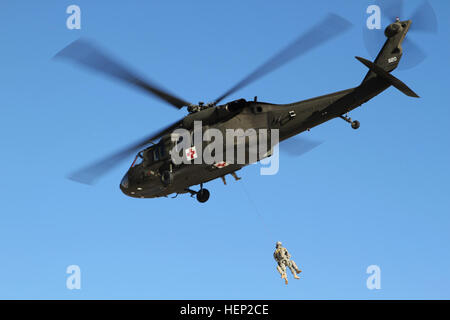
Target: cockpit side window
158, 152
153, 154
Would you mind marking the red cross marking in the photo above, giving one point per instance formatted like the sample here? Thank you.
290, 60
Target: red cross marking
191, 153
221, 164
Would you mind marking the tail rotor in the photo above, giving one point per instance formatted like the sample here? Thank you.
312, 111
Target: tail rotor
424, 21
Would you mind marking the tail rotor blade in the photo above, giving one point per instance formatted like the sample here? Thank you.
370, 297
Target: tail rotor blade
424, 19
413, 55
373, 40
391, 9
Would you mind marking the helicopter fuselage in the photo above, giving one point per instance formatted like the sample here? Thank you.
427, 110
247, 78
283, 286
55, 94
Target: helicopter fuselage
151, 179
146, 180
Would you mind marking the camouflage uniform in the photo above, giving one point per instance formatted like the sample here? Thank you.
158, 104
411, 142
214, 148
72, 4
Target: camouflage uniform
283, 258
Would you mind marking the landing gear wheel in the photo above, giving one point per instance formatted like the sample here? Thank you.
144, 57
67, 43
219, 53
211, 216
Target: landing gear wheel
355, 124
203, 195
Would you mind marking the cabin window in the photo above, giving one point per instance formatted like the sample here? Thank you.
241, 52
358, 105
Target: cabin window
162, 151
257, 109
156, 155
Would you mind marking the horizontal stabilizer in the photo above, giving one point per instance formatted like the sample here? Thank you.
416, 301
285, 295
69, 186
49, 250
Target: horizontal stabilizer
388, 77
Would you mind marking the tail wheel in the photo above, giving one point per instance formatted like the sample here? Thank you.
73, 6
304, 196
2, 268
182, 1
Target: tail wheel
355, 124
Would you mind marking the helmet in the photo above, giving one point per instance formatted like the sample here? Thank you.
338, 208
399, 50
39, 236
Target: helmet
278, 244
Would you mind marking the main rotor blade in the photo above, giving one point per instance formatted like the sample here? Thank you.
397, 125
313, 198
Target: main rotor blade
89, 174
297, 146
87, 55
327, 29
373, 40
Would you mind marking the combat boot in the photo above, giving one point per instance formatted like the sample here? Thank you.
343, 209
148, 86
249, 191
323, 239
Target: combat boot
284, 276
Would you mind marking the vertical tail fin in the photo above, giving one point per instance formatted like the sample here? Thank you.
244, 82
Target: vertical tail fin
391, 53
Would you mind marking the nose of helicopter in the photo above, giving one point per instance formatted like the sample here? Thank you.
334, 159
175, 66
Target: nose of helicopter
129, 188
134, 189
125, 184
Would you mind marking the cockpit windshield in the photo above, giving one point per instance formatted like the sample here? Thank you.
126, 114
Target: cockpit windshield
138, 160
151, 155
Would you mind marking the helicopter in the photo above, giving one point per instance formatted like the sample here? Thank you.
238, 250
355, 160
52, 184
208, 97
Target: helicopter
153, 172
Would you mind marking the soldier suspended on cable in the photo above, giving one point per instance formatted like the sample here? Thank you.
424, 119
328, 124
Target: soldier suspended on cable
283, 258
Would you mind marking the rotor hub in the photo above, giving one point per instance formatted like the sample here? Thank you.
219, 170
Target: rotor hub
393, 29
192, 108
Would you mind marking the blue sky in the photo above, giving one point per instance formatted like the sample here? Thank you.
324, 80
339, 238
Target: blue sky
378, 195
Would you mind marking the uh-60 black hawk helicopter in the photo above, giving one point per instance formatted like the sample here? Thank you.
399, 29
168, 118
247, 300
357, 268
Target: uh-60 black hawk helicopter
153, 173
